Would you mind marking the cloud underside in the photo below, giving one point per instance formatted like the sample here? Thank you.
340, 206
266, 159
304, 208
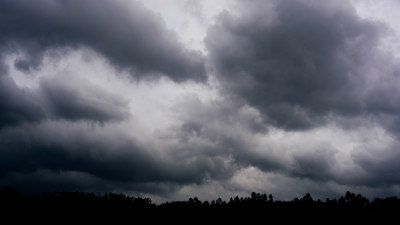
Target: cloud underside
128, 35
104, 97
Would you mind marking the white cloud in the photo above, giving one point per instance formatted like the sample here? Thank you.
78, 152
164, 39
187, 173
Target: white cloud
189, 19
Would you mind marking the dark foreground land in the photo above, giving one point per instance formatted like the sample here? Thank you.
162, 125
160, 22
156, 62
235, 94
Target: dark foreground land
77, 206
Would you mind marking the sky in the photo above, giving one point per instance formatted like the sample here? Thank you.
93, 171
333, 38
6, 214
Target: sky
171, 99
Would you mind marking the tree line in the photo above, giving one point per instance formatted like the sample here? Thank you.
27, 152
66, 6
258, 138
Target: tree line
255, 206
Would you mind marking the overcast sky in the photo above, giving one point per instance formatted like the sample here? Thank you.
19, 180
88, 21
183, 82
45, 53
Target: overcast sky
172, 99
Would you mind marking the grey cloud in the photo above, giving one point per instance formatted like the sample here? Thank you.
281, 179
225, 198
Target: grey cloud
129, 35
3, 67
103, 153
289, 64
46, 180
195, 8
70, 150
220, 131
300, 62
317, 165
230, 129
379, 165
196, 115
75, 99
58, 99
17, 104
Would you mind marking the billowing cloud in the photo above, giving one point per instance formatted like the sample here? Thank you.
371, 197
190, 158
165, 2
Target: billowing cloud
91, 136
300, 96
302, 62
129, 35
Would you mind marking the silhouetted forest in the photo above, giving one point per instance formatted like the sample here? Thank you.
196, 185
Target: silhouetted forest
72, 205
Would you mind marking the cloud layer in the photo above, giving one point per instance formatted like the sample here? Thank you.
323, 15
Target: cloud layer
297, 95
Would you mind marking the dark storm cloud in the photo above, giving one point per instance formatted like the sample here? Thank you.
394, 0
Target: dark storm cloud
379, 165
76, 99
298, 63
316, 165
304, 64
17, 104
125, 32
47, 134
56, 98
70, 152
103, 154
48, 180
290, 64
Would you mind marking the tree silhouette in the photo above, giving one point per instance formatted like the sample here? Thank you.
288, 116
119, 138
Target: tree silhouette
246, 209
